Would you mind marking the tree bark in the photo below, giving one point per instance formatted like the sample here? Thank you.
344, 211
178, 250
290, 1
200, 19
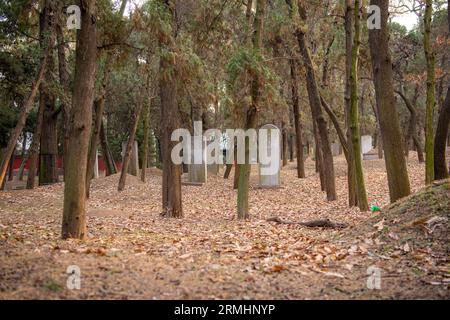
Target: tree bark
297, 121
63, 79
431, 93
74, 215
337, 127
412, 126
11, 166
285, 144
171, 182
252, 112
106, 152
24, 157
354, 115
441, 169
48, 152
398, 179
316, 108
351, 174
99, 107
34, 149
128, 150
146, 141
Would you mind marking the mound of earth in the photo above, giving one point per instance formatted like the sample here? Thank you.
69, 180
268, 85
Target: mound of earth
409, 242
422, 218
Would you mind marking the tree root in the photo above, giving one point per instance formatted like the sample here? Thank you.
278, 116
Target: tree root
312, 224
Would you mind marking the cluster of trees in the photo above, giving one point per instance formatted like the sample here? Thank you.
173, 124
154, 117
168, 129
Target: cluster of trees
139, 74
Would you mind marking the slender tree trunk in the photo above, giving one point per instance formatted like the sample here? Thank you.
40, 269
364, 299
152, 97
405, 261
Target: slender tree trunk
319, 158
48, 152
440, 142
351, 174
380, 145
227, 173
146, 142
48, 164
297, 121
34, 149
128, 150
285, 144
99, 107
11, 166
236, 172
316, 108
412, 126
337, 127
354, 115
74, 215
442, 138
398, 180
63, 79
107, 155
431, 93
252, 112
291, 147
24, 157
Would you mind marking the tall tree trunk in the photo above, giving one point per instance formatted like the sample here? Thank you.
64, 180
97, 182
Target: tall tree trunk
354, 115
34, 149
319, 158
285, 144
337, 127
236, 172
431, 93
146, 141
442, 138
74, 215
228, 169
48, 154
291, 147
128, 150
106, 152
24, 157
440, 142
11, 166
99, 107
63, 78
297, 121
171, 182
412, 125
351, 174
316, 108
252, 112
398, 180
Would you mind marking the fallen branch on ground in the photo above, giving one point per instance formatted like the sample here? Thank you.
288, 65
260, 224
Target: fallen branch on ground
312, 224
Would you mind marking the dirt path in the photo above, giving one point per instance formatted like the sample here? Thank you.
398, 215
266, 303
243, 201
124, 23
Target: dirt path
133, 253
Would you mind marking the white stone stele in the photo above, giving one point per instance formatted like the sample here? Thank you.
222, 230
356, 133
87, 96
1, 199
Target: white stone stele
336, 149
271, 181
366, 144
133, 167
197, 173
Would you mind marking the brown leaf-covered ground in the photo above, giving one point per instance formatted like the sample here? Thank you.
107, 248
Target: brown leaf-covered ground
133, 253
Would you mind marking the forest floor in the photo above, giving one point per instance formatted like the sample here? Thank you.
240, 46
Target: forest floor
133, 253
